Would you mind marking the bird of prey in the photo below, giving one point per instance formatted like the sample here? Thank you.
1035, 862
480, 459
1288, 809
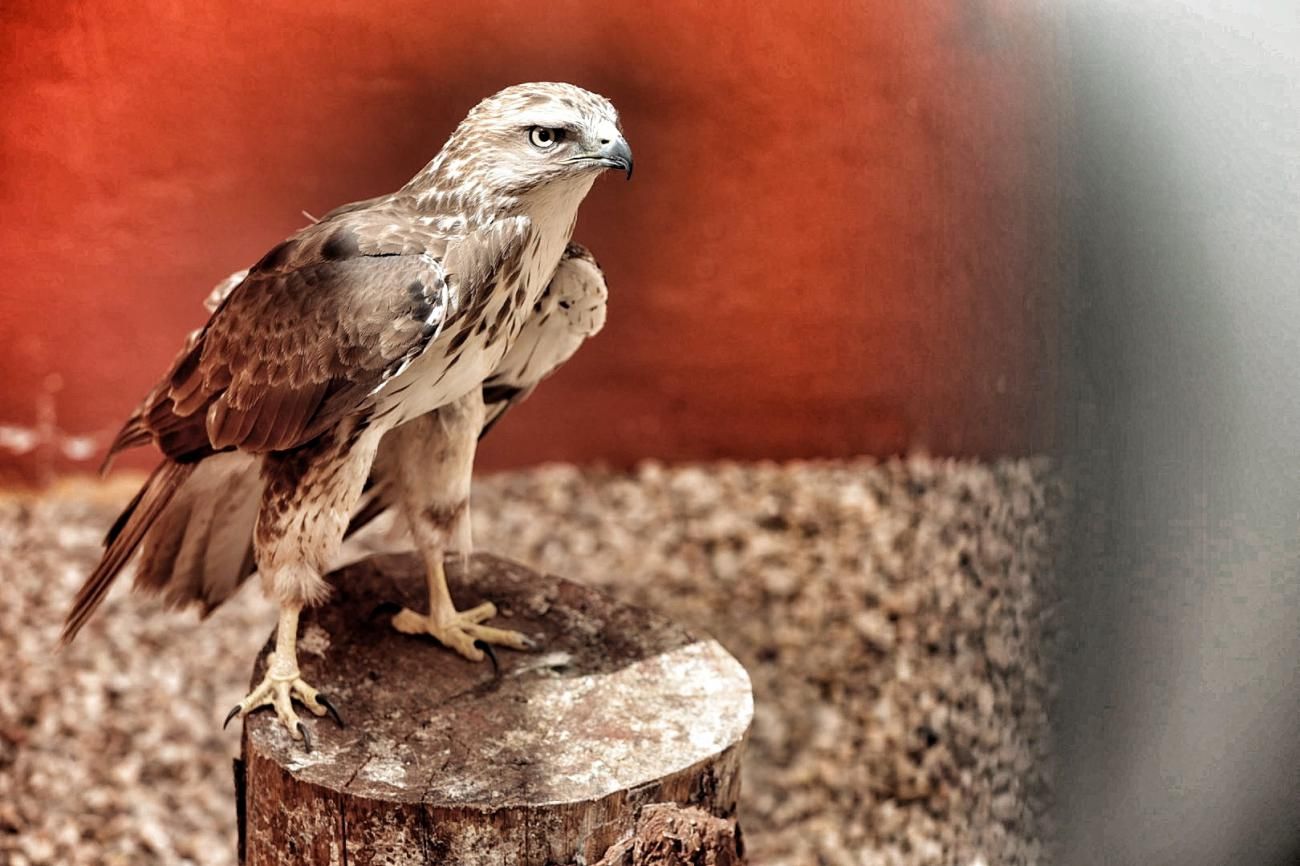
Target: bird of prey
199, 550
379, 314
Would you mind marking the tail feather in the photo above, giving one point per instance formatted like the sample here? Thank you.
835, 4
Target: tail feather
123, 539
222, 560
197, 551
133, 434
186, 575
162, 542
247, 566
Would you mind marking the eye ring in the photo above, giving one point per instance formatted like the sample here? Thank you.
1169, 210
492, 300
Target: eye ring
545, 138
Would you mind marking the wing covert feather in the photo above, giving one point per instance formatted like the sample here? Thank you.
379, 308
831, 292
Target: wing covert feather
316, 329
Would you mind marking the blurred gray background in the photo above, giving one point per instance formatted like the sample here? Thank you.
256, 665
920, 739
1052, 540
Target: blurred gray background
1181, 702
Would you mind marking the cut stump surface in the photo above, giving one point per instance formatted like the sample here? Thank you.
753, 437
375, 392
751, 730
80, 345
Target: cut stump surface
620, 723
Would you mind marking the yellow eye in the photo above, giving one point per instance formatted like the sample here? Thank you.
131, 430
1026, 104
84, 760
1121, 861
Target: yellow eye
544, 139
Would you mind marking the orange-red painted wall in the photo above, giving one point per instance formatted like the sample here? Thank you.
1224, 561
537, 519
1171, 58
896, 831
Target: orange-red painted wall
840, 238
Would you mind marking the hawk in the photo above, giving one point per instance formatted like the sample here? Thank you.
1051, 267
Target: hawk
389, 311
199, 549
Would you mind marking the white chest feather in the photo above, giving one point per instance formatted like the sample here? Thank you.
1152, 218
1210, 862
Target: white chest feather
455, 363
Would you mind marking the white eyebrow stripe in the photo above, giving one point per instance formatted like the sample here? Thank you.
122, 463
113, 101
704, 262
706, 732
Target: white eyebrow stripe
553, 118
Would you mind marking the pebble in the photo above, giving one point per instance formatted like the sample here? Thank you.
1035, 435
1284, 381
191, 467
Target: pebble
895, 617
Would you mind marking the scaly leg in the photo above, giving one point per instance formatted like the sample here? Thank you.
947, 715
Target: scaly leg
308, 494
457, 630
432, 460
282, 682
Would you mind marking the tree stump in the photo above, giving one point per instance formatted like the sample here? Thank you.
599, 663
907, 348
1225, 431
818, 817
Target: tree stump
618, 743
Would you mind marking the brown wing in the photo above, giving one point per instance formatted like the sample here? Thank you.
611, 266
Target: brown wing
125, 536
315, 329
135, 432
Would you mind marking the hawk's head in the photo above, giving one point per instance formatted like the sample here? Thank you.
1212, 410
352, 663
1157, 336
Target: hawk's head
529, 137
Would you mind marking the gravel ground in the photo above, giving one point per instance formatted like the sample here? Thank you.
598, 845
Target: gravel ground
895, 618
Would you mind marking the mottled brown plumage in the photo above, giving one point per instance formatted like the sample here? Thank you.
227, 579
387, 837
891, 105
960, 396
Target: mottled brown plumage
570, 310
199, 550
380, 313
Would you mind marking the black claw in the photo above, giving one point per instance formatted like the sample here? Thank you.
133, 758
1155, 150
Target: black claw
491, 654
324, 701
230, 715
306, 736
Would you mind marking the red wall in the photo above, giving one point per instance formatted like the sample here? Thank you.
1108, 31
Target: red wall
838, 241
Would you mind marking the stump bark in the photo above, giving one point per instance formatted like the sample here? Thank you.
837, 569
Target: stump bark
617, 743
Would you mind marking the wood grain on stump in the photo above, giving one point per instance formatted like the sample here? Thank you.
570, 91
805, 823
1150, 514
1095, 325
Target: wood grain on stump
619, 742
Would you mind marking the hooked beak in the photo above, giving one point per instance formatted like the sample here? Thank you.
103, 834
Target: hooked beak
614, 153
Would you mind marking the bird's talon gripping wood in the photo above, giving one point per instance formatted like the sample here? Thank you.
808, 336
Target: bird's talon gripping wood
491, 654
329, 707
280, 693
461, 632
283, 681
558, 761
